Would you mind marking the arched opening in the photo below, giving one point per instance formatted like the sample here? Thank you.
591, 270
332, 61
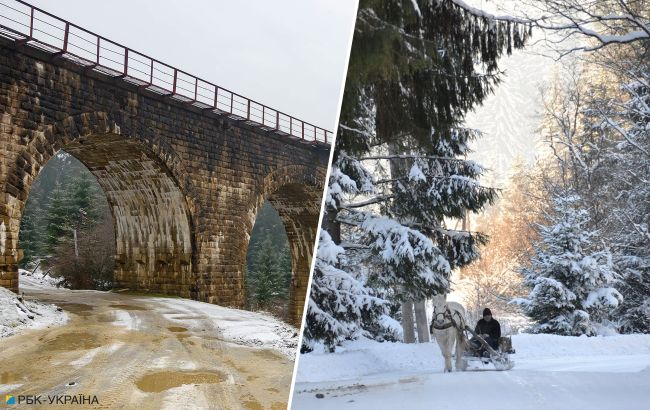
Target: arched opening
67, 228
268, 264
153, 241
295, 193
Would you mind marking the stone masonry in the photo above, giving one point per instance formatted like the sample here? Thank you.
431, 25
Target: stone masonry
184, 185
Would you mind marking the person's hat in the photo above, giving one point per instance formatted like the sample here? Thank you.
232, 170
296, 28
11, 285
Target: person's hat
487, 311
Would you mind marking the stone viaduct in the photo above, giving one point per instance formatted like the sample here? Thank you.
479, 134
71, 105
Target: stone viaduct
184, 180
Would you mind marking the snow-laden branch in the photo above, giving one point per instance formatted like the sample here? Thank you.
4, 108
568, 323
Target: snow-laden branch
605, 23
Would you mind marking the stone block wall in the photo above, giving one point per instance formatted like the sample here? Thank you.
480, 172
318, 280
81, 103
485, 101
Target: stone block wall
184, 184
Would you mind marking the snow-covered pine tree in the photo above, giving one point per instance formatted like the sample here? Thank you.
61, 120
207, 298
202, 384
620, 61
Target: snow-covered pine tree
633, 189
339, 302
415, 69
571, 280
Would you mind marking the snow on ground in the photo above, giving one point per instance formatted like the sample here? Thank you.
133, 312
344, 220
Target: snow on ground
17, 314
237, 326
125, 319
550, 372
37, 279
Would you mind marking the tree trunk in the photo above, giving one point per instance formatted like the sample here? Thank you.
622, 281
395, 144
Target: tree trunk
422, 324
407, 322
76, 244
331, 225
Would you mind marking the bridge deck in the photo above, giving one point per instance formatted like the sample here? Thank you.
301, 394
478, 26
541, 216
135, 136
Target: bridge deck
30, 26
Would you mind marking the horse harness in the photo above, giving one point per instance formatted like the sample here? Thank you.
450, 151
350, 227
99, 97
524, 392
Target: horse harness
447, 320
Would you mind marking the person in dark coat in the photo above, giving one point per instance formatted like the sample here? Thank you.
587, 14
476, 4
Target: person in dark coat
489, 329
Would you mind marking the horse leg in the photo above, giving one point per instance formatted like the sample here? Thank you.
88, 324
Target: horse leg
445, 348
460, 348
441, 340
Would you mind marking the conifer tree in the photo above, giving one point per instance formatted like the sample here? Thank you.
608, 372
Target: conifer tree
56, 221
29, 237
571, 280
267, 277
632, 188
284, 265
415, 69
81, 202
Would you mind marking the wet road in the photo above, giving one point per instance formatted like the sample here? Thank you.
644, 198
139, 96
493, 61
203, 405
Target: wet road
123, 350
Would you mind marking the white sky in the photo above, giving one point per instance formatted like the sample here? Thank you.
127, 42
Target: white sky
287, 54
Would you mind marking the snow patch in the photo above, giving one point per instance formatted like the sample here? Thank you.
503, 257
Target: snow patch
17, 314
125, 319
36, 280
233, 325
86, 358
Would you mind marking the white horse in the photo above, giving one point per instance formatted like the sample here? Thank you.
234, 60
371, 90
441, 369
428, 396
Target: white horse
446, 326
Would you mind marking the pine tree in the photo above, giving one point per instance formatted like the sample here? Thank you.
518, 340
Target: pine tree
284, 266
633, 190
571, 280
603, 154
398, 172
56, 221
267, 277
339, 302
28, 239
81, 199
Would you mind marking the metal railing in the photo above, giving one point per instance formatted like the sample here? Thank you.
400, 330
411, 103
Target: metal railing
29, 25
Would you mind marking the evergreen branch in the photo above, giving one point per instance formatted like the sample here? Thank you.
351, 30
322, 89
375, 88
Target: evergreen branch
408, 156
371, 201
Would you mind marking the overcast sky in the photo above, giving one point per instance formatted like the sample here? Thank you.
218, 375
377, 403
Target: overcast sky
287, 54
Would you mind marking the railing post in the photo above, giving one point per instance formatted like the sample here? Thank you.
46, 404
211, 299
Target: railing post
98, 49
175, 77
232, 102
31, 23
126, 61
65, 37
248, 110
303, 129
216, 94
263, 107
290, 125
196, 88
277, 120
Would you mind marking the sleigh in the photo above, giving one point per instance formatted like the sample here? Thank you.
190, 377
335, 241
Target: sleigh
484, 354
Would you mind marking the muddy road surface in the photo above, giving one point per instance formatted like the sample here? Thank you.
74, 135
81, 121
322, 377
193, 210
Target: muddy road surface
124, 350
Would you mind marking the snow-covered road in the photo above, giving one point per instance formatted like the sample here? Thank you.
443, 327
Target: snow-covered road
551, 372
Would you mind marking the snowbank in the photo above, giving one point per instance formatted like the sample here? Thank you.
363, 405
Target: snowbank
37, 279
366, 358
237, 326
17, 314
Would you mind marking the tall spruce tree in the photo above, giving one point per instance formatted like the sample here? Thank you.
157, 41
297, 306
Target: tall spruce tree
267, 278
571, 280
415, 69
56, 221
81, 202
632, 187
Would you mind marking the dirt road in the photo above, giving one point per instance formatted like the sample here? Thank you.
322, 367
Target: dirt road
125, 350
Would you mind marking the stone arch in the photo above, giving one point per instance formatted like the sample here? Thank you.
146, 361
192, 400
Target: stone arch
147, 187
295, 191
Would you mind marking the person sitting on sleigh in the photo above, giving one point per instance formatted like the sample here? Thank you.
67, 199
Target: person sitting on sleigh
489, 329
